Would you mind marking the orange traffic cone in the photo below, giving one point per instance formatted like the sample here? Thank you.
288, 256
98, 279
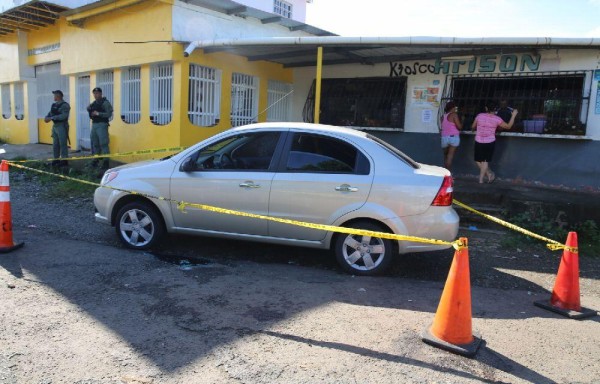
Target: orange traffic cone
6, 238
565, 297
451, 328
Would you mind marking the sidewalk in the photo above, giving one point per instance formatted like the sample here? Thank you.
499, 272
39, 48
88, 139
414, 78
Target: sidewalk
563, 205
33, 151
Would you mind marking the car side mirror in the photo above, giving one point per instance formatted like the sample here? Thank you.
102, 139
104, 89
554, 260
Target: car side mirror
188, 165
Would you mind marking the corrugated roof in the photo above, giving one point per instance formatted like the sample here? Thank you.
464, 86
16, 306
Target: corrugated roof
29, 17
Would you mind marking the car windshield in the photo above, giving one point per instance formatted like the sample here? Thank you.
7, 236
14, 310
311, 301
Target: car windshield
395, 151
173, 154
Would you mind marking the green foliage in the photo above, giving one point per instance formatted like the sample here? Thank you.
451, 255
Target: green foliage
58, 187
537, 221
588, 235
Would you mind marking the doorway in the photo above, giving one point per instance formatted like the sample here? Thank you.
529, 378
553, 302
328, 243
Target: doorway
83, 118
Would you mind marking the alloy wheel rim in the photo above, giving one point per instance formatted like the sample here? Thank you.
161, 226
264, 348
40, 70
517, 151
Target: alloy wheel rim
363, 253
136, 227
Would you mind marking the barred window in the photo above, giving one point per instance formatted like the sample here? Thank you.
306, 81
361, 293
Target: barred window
279, 101
204, 99
282, 8
49, 79
548, 102
19, 101
161, 94
244, 99
376, 102
5, 93
131, 95
105, 81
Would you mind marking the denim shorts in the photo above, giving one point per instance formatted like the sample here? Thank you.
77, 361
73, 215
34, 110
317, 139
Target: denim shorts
453, 141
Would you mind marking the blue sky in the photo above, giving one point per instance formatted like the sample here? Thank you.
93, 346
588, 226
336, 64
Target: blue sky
458, 18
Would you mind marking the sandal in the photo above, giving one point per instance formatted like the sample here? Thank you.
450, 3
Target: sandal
491, 178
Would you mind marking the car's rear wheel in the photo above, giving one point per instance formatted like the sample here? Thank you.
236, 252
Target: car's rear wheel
139, 225
364, 255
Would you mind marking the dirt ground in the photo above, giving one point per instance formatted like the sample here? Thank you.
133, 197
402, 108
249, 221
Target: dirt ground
79, 308
75, 311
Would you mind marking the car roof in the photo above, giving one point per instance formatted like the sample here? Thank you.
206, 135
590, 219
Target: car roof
324, 128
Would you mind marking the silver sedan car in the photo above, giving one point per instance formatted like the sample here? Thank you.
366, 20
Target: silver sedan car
304, 172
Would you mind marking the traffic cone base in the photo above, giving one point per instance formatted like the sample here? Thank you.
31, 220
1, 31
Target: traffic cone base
11, 248
451, 328
468, 350
570, 313
6, 238
565, 299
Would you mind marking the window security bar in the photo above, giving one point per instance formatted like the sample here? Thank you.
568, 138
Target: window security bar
244, 99
105, 80
161, 94
19, 101
548, 102
204, 101
5, 93
376, 102
282, 8
278, 101
131, 83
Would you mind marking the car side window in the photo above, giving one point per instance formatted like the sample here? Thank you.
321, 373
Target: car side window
251, 151
316, 153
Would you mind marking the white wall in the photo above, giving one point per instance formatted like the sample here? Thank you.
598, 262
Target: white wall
552, 60
192, 23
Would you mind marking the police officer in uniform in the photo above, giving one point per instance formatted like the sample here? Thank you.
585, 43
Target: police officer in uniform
100, 111
59, 115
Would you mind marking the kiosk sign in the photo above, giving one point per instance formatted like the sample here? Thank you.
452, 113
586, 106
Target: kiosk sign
480, 64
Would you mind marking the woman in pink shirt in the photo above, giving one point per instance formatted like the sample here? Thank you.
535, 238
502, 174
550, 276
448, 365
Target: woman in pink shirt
486, 124
450, 127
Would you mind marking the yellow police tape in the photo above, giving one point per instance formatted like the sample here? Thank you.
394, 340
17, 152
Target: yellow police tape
123, 154
551, 244
181, 205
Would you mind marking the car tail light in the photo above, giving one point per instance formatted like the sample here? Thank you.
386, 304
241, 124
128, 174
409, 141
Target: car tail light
444, 195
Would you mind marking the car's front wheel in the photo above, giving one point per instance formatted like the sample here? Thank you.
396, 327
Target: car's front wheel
139, 225
361, 254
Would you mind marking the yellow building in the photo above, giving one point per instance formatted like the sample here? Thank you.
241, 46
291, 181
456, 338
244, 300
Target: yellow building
133, 50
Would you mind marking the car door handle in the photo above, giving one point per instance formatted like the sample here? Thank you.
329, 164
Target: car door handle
249, 184
346, 188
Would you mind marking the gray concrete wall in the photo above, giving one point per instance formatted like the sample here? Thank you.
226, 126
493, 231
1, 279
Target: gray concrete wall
552, 162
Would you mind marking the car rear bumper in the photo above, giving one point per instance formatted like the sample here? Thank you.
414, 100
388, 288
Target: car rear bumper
438, 223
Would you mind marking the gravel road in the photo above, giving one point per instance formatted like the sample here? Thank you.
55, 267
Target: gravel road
79, 308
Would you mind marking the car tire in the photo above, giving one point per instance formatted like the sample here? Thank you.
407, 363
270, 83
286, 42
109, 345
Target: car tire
364, 255
139, 225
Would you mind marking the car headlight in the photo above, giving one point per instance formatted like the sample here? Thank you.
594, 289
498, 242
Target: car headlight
108, 177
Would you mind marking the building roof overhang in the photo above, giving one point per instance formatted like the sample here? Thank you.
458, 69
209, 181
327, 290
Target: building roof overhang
29, 16
302, 51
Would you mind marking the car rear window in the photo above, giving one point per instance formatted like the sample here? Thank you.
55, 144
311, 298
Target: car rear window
395, 151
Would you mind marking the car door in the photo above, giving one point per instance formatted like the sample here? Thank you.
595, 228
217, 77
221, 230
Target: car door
320, 179
233, 173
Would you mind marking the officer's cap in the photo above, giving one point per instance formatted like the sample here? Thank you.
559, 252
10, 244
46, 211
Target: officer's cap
58, 92
97, 90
